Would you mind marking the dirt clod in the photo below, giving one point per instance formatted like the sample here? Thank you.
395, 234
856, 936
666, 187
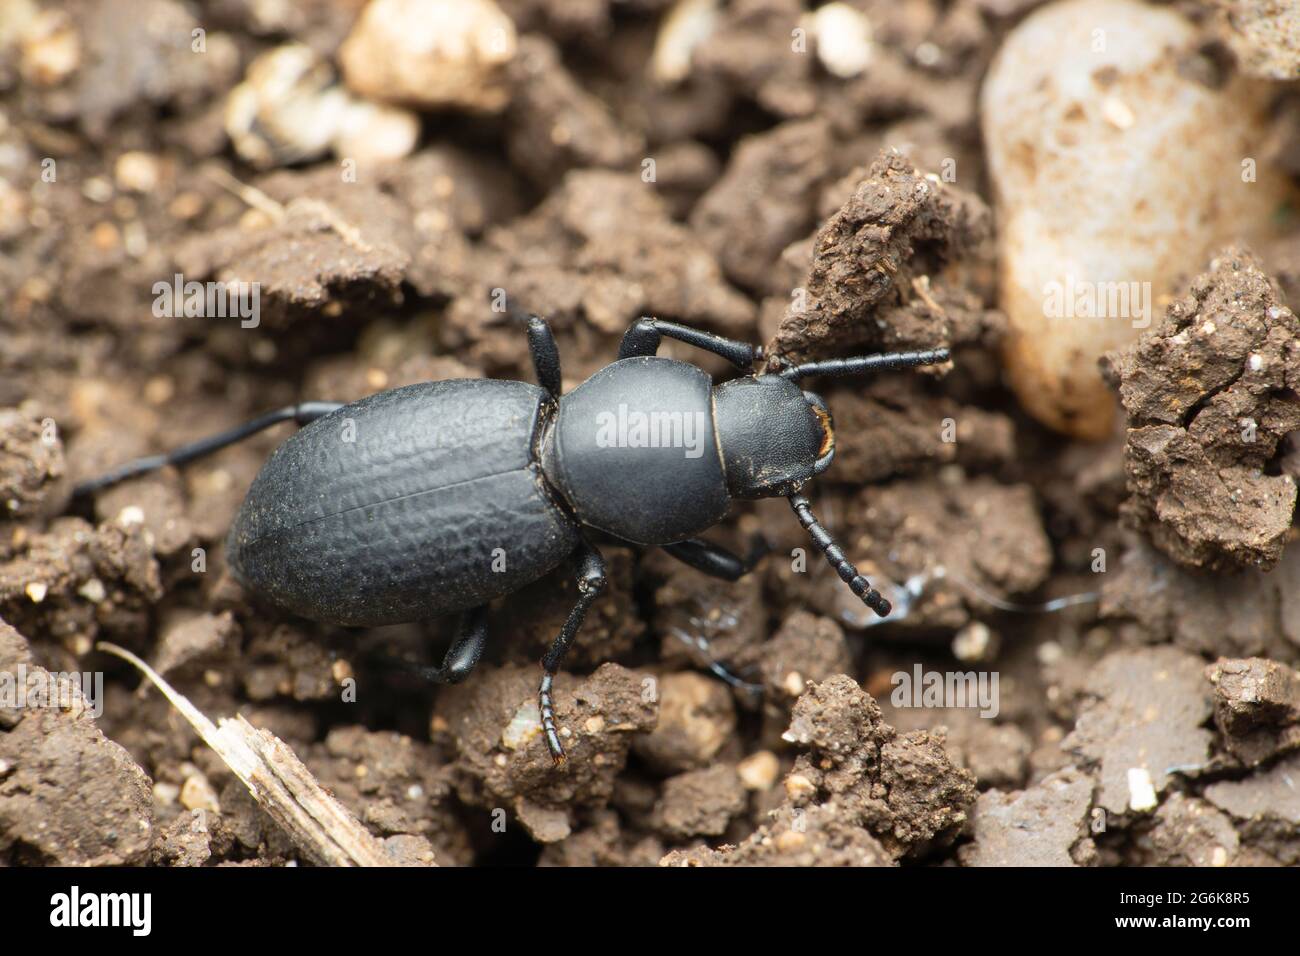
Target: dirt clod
108, 820
904, 788
696, 717
897, 225
1046, 825
502, 761
805, 649
1144, 725
1256, 707
700, 802
1189, 832
1266, 808
31, 462
1210, 393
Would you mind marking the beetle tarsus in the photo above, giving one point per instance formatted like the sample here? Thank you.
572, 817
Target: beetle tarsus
546, 706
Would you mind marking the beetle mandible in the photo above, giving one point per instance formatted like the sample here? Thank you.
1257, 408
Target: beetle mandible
400, 523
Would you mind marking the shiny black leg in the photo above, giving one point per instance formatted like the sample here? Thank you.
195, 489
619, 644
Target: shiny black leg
591, 581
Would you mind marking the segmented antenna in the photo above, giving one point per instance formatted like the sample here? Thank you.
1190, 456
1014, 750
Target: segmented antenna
842, 565
303, 413
862, 364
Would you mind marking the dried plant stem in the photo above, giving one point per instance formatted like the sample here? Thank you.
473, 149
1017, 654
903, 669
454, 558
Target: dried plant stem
282, 786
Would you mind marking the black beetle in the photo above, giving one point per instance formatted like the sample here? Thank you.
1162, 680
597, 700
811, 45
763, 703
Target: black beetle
439, 497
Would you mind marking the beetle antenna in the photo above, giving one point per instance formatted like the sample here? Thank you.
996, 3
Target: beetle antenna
842, 565
861, 364
303, 413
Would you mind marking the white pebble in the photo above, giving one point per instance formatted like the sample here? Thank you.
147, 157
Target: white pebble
1142, 795
523, 727
1099, 216
844, 40
974, 642
758, 772
431, 53
137, 172
130, 515
688, 24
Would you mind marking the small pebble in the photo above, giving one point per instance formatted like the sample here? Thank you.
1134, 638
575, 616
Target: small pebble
797, 786
759, 770
688, 24
523, 727
843, 38
974, 642
791, 840
431, 53
137, 172
197, 794
130, 515
51, 49
1142, 794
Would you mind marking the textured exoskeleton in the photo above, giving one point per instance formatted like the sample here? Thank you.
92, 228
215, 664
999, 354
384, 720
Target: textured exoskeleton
439, 497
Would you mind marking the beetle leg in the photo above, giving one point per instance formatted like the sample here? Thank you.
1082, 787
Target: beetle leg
546, 356
591, 581
466, 649
645, 334
715, 560
303, 413
718, 562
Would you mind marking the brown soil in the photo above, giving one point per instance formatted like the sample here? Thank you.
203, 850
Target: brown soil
788, 206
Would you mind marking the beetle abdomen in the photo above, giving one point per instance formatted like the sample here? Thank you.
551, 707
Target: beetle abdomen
408, 504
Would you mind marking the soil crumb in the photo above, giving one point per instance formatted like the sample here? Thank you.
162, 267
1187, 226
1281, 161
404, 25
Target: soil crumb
1210, 394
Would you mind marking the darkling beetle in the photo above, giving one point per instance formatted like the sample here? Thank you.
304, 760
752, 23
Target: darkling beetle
403, 521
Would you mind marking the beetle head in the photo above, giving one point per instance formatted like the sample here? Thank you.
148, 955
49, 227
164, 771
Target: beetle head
773, 436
